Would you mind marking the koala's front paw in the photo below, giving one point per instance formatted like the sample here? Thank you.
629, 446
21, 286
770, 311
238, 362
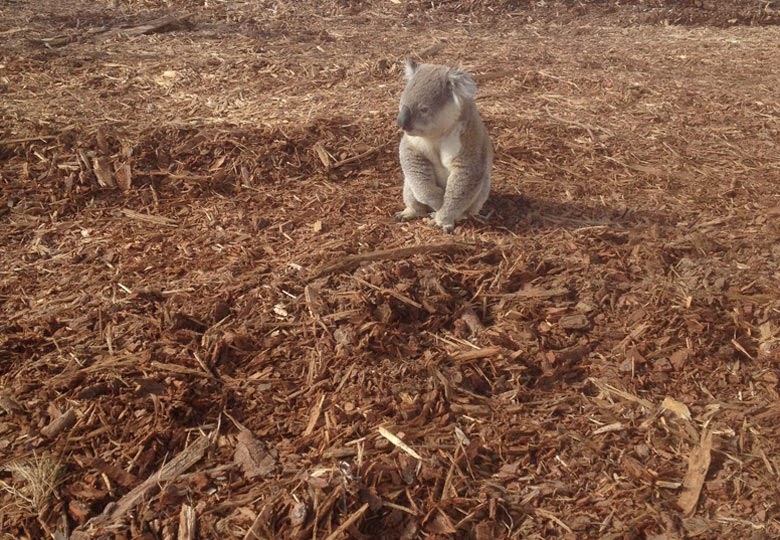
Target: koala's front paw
447, 225
406, 214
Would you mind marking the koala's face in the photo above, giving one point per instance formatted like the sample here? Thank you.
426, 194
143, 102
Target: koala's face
429, 107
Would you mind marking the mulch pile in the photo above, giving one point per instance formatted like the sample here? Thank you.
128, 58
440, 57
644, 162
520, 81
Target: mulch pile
210, 325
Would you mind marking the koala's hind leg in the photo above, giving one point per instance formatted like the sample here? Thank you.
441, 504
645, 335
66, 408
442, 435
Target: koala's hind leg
481, 198
414, 208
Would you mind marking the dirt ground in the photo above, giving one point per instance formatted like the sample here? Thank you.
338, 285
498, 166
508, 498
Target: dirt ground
211, 326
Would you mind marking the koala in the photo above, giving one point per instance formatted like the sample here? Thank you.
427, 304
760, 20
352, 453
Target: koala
446, 154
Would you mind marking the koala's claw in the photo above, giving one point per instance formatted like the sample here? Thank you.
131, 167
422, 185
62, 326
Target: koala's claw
405, 215
447, 226
482, 218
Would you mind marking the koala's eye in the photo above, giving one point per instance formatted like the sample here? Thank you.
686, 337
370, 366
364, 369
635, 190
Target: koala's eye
423, 109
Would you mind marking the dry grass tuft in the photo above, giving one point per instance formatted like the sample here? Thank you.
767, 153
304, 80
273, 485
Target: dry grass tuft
34, 483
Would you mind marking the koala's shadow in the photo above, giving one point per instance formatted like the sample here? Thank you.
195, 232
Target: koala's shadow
517, 213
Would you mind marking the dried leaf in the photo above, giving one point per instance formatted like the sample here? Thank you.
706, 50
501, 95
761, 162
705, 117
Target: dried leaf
252, 456
679, 358
485, 530
635, 469
322, 154
9, 405
674, 406
575, 321
115, 473
102, 142
217, 164
78, 511
123, 177
440, 524
103, 172
297, 514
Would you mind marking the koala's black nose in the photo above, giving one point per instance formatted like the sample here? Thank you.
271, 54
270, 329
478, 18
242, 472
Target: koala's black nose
404, 118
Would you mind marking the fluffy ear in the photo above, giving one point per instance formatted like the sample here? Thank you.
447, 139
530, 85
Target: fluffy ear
410, 68
462, 84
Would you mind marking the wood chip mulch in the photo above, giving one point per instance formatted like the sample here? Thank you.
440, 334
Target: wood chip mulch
211, 326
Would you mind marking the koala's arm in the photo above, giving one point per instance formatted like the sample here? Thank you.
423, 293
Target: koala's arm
466, 182
420, 177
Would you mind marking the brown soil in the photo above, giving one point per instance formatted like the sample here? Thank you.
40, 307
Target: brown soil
211, 327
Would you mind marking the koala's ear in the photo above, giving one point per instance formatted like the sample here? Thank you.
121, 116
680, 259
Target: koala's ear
410, 68
462, 84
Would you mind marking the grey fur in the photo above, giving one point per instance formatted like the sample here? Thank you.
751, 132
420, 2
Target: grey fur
445, 152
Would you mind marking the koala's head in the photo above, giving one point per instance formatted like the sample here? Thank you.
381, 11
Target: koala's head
433, 97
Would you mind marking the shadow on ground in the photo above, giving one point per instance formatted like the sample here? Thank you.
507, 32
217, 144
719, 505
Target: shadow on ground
517, 212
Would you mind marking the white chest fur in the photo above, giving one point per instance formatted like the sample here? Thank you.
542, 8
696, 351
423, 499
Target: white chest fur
440, 151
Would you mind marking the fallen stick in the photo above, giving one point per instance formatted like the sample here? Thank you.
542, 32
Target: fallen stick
432, 50
59, 424
698, 465
259, 530
170, 471
395, 294
148, 218
351, 262
541, 512
350, 520
539, 293
611, 390
167, 22
41, 138
187, 523
353, 159
476, 354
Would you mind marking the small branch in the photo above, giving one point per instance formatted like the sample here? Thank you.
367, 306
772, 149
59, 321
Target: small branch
476, 354
162, 24
541, 512
170, 471
432, 50
148, 218
698, 464
59, 424
187, 523
395, 294
314, 416
559, 79
348, 523
358, 157
580, 125
351, 262
538, 293
41, 138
